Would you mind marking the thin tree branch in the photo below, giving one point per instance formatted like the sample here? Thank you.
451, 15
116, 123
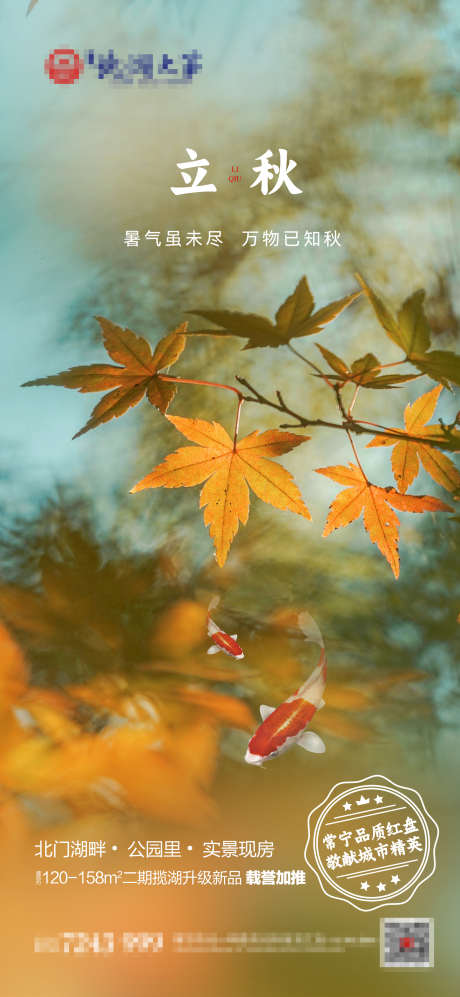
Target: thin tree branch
348, 425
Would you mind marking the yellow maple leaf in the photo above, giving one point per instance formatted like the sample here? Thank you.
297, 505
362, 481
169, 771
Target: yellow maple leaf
228, 470
380, 521
135, 376
407, 453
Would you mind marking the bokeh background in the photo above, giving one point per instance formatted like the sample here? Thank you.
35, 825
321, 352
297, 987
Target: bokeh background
103, 594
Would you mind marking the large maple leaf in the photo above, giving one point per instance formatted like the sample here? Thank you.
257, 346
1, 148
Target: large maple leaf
380, 520
228, 470
407, 454
136, 376
295, 317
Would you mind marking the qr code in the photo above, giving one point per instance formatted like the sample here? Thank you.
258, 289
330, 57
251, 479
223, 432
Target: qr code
406, 943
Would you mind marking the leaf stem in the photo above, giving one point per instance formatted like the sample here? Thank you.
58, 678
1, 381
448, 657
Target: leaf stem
310, 364
348, 418
195, 380
377, 425
396, 363
352, 403
211, 384
356, 456
237, 420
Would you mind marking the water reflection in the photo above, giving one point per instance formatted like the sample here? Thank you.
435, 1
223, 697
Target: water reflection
110, 701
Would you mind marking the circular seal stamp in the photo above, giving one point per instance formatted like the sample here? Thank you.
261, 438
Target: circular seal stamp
371, 843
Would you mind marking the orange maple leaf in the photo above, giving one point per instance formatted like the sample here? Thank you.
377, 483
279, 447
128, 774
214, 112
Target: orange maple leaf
228, 470
407, 453
380, 521
137, 375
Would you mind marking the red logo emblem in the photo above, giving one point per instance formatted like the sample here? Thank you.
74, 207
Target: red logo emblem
406, 943
64, 65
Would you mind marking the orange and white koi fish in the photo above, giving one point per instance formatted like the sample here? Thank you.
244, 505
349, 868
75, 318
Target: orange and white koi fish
222, 641
286, 725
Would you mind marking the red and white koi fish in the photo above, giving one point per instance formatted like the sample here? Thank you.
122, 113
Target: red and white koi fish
286, 725
222, 641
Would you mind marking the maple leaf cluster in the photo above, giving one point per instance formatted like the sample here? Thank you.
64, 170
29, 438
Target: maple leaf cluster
230, 468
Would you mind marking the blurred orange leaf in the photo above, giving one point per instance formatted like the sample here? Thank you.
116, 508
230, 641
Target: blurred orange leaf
229, 710
381, 523
180, 628
13, 670
335, 723
344, 698
128, 383
126, 766
52, 699
195, 746
285, 618
381, 685
14, 828
114, 697
25, 610
228, 469
168, 788
194, 667
52, 721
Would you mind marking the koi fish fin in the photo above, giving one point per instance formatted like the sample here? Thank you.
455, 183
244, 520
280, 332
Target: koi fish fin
266, 711
310, 628
322, 703
311, 742
233, 636
213, 649
213, 603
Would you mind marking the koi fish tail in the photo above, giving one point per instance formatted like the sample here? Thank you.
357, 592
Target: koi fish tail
212, 628
310, 628
312, 690
322, 664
